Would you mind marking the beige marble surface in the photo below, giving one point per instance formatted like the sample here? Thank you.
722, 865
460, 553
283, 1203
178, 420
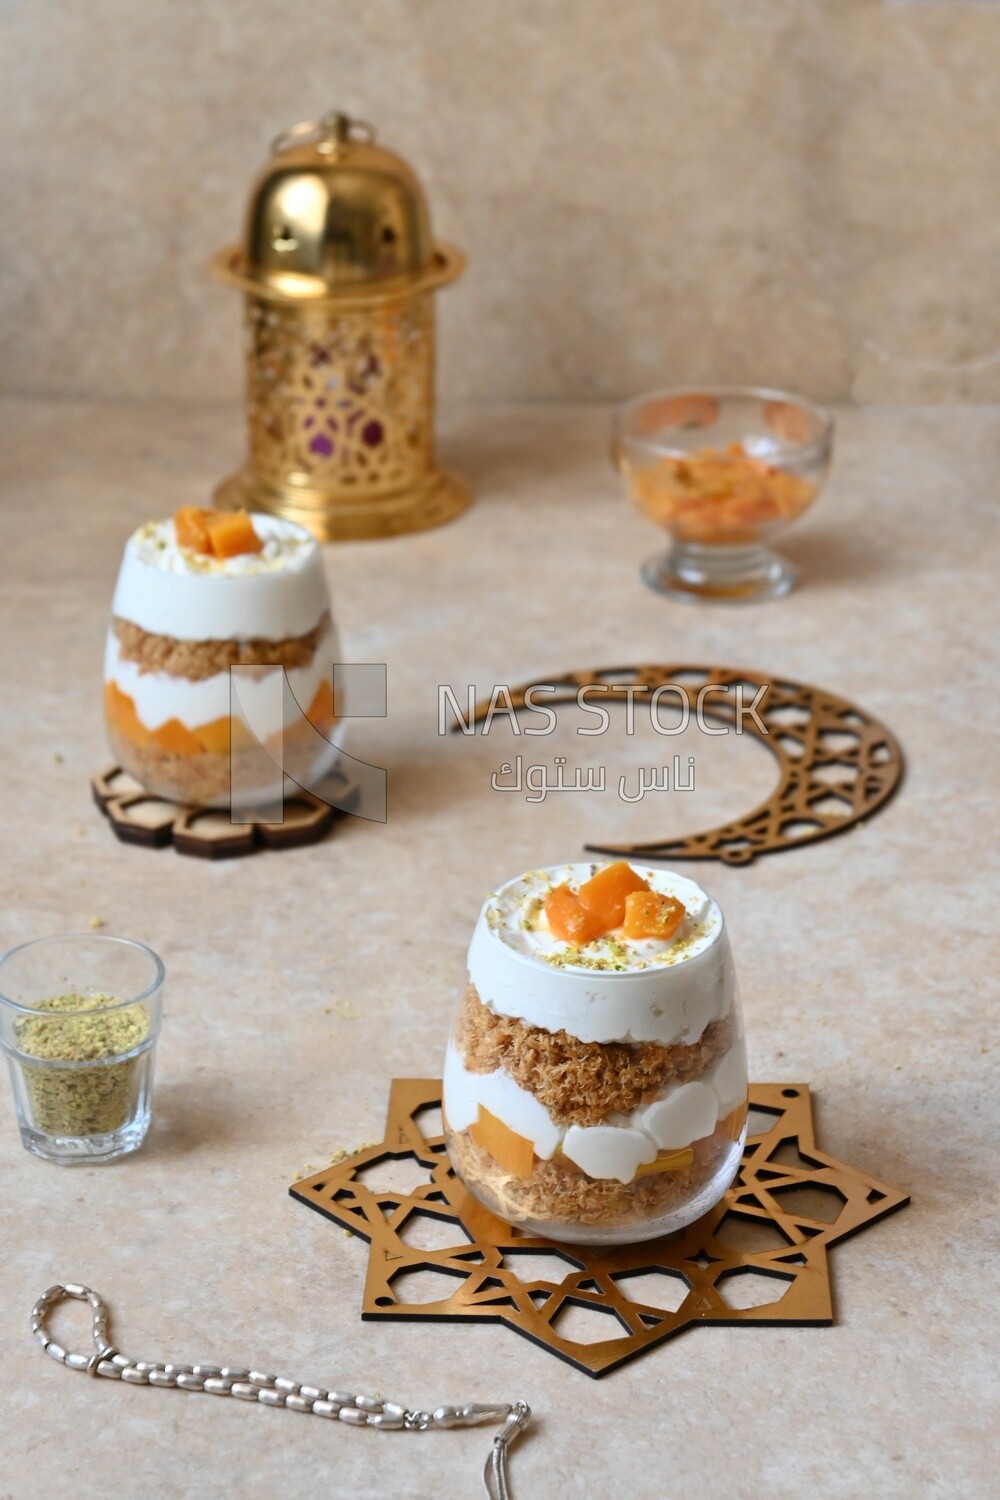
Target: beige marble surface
299, 984
657, 192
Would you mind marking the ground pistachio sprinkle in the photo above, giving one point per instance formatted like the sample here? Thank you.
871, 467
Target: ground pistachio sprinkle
76, 1028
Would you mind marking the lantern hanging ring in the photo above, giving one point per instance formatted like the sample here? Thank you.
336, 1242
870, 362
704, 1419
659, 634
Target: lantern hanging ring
326, 133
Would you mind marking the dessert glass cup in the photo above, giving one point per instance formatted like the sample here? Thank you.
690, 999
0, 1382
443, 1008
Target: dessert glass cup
79, 1021
179, 621
596, 1095
676, 451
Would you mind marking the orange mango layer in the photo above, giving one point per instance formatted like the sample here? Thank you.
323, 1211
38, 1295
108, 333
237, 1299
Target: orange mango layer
731, 1125
666, 1161
516, 1154
217, 737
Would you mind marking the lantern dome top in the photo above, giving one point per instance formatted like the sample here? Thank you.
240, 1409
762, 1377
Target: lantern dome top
335, 217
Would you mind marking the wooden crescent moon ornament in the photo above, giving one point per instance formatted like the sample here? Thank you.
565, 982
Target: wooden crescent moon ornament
838, 764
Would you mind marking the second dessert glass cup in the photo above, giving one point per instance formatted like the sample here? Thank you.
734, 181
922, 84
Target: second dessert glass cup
596, 1092
723, 469
180, 620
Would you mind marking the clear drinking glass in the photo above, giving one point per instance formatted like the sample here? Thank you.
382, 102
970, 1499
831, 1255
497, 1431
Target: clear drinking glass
723, 469
596, 1094
79, 1020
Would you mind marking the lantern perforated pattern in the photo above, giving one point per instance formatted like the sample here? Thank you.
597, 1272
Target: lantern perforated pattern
338, 399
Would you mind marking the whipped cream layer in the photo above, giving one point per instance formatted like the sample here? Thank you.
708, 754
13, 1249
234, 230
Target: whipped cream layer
612, 989
160, 696
274, 594
682, 1114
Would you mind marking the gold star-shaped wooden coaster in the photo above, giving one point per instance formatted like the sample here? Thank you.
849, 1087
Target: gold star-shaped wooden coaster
759, 1257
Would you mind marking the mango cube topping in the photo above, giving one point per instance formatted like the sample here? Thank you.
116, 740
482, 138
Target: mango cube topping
569, 920
650, 915
215, 533
231, 533
190, 529
615, 899
604, 893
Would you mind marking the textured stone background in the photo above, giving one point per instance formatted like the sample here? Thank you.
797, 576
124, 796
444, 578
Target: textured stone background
794, 191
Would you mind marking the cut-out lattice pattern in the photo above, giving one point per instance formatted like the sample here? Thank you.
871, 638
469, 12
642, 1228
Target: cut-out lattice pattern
759, 1257
837, 763
341, 400
140, 817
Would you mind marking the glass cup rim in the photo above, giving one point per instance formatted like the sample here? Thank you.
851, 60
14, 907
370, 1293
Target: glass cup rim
819, 445
159, 970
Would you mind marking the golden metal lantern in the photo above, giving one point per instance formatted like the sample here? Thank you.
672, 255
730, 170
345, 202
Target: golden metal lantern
338, 270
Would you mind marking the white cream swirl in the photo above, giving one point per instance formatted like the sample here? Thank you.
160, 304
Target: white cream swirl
611, 989
275, 594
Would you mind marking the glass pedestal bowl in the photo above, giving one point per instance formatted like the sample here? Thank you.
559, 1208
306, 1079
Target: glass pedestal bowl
723, 470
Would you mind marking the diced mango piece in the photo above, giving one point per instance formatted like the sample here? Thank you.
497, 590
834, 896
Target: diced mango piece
121, 715
241, 736
515, 1153
710, 495
666, 1161
604, 893
648, 914
225, 734
190, 528
568, 918
231, 533
115, 701
177, 739
216, 736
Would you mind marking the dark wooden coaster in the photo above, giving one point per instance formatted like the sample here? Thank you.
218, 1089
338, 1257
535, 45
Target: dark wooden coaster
140, 817
838, 764
759, 1256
